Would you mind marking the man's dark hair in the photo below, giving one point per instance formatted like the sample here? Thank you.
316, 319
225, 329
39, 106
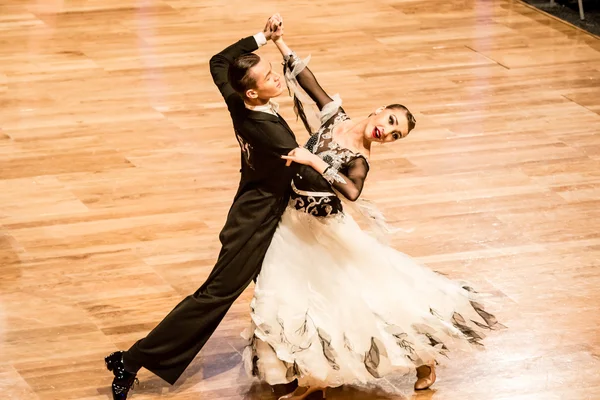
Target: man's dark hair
239, 77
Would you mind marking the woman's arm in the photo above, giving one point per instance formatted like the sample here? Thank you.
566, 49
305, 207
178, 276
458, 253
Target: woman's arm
349, 185
305, 77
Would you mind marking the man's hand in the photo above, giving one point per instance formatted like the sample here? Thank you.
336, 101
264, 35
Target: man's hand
302, 156
278, 32
274, 27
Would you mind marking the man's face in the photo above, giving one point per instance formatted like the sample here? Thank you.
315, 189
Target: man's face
268, 82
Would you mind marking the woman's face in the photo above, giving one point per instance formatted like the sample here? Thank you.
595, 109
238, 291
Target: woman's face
386, 125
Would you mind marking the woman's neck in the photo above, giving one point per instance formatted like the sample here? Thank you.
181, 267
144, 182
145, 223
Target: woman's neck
351, 135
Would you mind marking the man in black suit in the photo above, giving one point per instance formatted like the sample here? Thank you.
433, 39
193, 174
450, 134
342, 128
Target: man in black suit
247, 83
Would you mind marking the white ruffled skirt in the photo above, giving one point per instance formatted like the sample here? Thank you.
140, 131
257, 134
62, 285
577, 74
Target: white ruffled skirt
334, 306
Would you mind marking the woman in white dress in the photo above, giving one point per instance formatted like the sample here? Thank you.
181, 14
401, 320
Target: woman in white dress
333, 305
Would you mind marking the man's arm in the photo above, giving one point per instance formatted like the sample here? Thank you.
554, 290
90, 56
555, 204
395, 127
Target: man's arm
219, 63
272, 138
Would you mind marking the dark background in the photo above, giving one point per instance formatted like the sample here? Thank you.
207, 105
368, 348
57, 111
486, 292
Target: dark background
568, 10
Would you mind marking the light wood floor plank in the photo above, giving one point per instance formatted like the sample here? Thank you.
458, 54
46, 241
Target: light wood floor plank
118, 165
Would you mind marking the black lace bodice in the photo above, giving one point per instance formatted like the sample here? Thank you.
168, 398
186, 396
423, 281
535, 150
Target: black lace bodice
312, 192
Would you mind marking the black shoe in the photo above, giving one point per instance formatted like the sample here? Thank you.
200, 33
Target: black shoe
124, 380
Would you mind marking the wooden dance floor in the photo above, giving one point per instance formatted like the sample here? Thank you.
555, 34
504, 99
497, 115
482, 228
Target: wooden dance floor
118, 165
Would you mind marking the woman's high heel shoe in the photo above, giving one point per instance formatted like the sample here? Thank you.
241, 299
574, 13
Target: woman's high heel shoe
307, 391
425, 377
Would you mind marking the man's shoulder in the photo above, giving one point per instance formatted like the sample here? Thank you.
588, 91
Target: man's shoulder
255, 119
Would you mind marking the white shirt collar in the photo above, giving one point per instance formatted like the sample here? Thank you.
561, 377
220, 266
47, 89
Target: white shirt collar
271, 107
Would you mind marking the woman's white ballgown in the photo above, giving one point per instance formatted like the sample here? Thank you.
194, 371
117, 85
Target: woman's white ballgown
334, 305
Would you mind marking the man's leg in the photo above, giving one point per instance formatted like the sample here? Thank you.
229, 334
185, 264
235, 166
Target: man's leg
172, 345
